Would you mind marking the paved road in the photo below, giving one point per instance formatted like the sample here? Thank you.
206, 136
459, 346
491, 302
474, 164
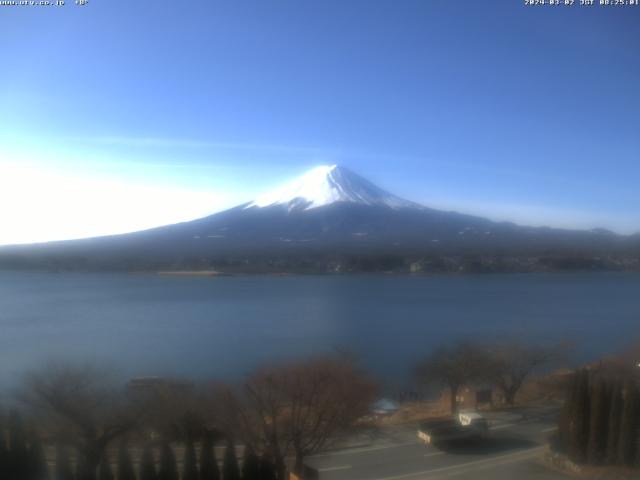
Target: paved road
511, 452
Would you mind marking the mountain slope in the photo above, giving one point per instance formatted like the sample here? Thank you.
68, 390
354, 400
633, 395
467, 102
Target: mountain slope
327, 213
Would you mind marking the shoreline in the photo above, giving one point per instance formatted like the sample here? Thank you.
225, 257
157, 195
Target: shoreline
193, 273
217, 273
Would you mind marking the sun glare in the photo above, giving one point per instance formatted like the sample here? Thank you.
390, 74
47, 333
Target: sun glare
38, 205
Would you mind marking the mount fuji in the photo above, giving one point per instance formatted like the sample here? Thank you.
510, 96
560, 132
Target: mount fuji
325, 185
329, 219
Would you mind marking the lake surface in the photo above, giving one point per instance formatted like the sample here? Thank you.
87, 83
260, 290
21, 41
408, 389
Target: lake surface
223, 327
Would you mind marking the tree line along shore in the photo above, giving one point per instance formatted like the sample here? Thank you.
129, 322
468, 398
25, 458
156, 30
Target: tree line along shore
310, 263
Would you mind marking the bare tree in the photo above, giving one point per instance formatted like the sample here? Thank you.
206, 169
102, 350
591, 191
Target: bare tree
174, 409
298, 409
79, 407
453, 366
624, 365
512, 362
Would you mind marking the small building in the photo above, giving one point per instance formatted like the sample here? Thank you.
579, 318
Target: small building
473, 398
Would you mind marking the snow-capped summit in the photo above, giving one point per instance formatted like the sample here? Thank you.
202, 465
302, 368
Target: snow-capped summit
329, 184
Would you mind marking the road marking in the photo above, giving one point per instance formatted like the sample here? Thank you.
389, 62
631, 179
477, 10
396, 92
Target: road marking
526, 456
354, 451
506, 425
333, 469
434, 454
515, 424
513, 457
547, 430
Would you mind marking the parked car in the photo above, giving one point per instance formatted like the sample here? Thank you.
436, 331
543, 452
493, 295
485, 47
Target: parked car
460, 427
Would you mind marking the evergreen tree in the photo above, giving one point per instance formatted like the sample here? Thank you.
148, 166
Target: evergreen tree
597, 448
104, 470
566, 414
4, 455
208, 462
81, 467
62, 469
628, 425
189, 462
267, 469
615, 417
84, 471
38, 469
18, 452
148, 464
250, 465
168, 467
230, 469
637, 461
579, 419
125, 465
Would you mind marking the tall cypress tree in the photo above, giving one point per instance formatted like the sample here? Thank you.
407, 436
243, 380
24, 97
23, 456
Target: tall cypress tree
4, 455
85, 470
168, 466
189, 462
230, 469
125, 465
208, 462
38, 469
628, 425
82, 471
267, 468
615, 417
148, 464
597, 448
250, 465
18, 452
637, 461
104, 470
62, 470
564, 424
579, 420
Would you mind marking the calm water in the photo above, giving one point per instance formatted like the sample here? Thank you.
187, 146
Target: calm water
146, 324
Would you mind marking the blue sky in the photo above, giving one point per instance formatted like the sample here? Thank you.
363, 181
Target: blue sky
123, 115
